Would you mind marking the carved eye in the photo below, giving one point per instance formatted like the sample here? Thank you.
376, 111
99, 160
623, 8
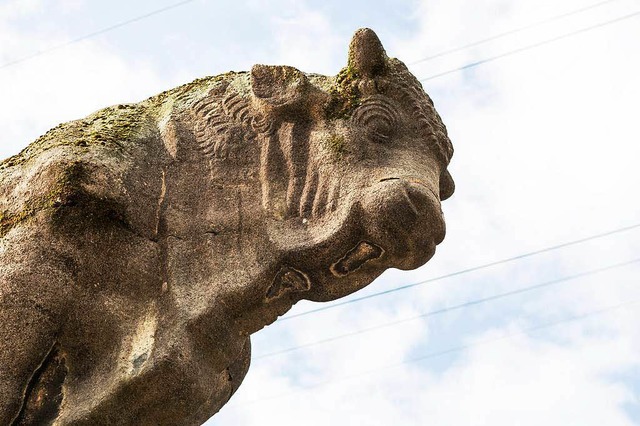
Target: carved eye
380, 131
378, 117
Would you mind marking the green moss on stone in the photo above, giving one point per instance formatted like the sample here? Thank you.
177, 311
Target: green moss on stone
60, 193
113, 126
10, 220
345, 95
337, 145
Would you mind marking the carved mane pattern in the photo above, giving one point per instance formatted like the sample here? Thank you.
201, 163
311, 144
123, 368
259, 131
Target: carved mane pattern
224, 119
427, 118
223, 123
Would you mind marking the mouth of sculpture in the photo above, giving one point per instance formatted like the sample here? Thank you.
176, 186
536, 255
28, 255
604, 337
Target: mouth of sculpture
396, 224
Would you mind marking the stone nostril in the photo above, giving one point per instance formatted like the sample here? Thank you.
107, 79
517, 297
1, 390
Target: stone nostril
427, 203
421, 194
418, 198
388, 179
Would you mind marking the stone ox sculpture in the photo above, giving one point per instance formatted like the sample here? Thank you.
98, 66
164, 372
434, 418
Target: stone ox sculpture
141, 246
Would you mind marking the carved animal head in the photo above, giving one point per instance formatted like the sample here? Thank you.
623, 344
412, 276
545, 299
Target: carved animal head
364, 154
350, 174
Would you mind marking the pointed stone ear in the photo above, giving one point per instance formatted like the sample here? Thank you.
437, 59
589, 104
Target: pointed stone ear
278, 86
366, 54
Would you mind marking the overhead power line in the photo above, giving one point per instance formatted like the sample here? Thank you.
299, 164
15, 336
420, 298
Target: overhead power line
182, 3
96, 33
451, 308
460, 348
511, 32
533, 46
462, 271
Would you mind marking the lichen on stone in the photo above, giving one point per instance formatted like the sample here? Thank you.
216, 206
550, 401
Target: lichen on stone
337, 145
182, 96
9, 220
59, 194
114, 126
345, 95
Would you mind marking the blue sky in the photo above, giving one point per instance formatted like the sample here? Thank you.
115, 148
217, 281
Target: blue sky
547, 147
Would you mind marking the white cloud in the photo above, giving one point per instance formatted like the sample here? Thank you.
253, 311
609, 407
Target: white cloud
303, 36
13, 9
63, 85
527, 382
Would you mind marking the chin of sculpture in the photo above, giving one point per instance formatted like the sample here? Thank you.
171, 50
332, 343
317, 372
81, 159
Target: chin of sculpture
142, 245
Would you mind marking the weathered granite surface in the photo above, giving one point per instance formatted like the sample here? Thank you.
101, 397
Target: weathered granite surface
142, 245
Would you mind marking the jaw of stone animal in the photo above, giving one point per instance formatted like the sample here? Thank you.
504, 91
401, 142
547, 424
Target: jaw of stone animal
388, 217
400, 225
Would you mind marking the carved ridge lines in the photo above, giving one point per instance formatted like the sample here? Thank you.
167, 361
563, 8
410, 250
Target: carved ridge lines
428, 120
268, 167
308, 193
223, 121
215, 120
320, 200
294, 143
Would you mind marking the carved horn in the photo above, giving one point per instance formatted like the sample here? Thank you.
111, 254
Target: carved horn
366, 54
278, 86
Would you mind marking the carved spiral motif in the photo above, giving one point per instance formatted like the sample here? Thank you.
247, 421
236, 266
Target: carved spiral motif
379, 117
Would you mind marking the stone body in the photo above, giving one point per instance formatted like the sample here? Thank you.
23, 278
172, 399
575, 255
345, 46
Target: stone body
141, 246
